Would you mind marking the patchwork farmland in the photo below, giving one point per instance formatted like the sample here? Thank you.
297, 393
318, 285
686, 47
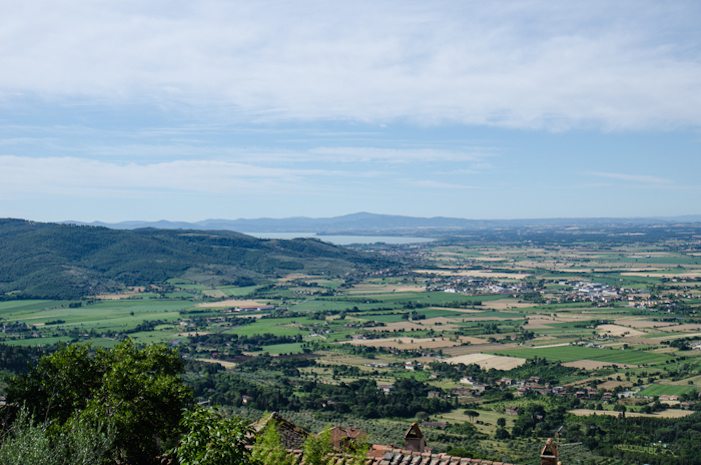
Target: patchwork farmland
490, 334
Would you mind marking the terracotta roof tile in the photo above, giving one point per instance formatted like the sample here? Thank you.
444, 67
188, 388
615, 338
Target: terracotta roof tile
293, 438
403, 457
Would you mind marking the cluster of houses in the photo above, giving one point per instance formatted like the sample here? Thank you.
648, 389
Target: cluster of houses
471, 388
474, 286
583, 291
572, 291
522, 387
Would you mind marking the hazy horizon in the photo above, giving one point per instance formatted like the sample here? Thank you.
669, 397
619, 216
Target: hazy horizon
199, 220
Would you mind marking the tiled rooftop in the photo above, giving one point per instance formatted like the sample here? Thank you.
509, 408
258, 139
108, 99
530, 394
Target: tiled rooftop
293, 437
382, 455
378, 456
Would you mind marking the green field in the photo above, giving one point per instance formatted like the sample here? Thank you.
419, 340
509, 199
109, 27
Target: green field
333, 334
277, 349
274, 326
235, 291
574, 353
11, 308
57, 322
38, 341
665, 390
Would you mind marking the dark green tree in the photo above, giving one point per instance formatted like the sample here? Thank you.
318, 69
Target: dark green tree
60, 384
211, 439
137, 391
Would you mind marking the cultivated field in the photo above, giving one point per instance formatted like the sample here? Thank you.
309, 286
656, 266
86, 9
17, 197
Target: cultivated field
234, 303
665, 390
592, 364
565, 316
384, 288
669, 413
576, 353
405, 343
473, 274
618, 331
487, 361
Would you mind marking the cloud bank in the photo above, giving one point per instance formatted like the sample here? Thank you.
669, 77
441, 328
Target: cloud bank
547, 65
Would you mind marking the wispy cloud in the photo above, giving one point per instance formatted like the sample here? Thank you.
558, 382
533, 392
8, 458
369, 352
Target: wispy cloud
397, 155
78, 176
85, 177
432, 184
537, 64
121, 145
633, 178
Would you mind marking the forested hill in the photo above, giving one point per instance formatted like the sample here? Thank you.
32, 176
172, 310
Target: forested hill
50, 260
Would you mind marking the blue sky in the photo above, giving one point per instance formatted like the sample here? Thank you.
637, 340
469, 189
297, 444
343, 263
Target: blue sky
217, 109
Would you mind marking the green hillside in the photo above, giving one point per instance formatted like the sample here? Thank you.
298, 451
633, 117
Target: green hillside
47, 260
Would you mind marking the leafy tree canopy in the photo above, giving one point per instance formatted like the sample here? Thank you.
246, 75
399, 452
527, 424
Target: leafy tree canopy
138, 391
211, 439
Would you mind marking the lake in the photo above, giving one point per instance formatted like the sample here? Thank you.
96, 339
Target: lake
342, 239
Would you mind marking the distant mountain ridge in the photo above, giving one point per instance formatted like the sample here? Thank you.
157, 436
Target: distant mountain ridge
49, 260
372, 223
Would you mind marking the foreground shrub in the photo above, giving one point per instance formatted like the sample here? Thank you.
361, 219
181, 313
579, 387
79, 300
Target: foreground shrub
78, 443
139, 392
211, 439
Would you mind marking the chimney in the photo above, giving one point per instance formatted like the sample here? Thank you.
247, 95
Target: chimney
549, 454
414, 439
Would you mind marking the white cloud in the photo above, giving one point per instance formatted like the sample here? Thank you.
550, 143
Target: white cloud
396, 155
181, 146
431, 184
236, 172
633, 178
77, 176
517, 64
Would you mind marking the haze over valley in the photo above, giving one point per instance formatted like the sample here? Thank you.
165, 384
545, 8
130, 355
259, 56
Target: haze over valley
352, 233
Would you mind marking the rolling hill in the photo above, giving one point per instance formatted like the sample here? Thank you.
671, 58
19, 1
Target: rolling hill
370, 223
48, 260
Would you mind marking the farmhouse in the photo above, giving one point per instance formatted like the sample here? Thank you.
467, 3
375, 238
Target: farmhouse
512, 411
251, 308
463, 394
559, 390
386, 388
505, 382
475, 387
626, 394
